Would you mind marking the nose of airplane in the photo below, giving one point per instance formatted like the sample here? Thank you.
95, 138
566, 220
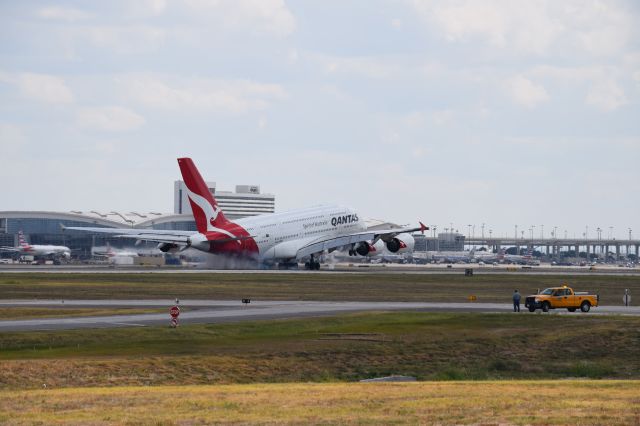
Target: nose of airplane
67, 254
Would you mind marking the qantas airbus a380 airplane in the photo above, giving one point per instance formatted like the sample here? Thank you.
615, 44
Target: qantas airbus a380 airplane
283, 238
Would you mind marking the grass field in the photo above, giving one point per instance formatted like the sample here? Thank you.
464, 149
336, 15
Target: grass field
321, 286
509, 402
428, 346
17, 313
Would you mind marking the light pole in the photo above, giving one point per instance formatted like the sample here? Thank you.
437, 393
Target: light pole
542, 232
533, 228
629, 234
586, 232
610, 232
516, 237
437, 243
482, 230
555, 232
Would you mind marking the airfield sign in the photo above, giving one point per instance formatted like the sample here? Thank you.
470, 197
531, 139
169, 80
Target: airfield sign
175, 313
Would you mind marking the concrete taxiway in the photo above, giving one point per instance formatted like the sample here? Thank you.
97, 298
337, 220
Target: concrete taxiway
221, 311
362, 268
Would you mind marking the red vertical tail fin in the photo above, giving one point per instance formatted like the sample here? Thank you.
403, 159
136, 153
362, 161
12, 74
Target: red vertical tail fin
22, 242
206, 212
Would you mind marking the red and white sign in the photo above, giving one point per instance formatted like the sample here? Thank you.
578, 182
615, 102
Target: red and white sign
174, 322
174, 312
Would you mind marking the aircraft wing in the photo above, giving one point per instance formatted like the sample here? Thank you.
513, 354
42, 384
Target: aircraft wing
9, 249
344, 240
334, 242
156, 235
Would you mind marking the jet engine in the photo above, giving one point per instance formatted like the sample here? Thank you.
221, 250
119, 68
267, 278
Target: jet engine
401, 243
168, 247
363, 248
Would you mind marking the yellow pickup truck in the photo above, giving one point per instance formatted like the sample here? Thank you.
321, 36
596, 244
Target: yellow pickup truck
561, 297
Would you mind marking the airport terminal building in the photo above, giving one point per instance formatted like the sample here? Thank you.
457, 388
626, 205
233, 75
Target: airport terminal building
45, 227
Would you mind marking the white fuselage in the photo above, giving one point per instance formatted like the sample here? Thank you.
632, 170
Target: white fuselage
45, 250
281, 235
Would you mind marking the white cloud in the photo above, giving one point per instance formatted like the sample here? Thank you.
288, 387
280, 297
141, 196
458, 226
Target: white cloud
606, 95
232, 96
144, 8
593, 26
600, 83
40, 87
63, 13
124, 39
261, 16
112, 118
442, 117
525, 92
368, 66
417, 119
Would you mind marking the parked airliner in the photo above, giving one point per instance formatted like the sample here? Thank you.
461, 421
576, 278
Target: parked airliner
282, 238
38, 250
111, 253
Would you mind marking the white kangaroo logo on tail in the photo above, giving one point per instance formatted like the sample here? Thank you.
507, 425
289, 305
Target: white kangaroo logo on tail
210, 212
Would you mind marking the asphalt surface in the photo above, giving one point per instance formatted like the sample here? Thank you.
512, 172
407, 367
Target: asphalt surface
221, 311
355, 269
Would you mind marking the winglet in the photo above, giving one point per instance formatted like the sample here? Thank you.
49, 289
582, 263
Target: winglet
423, 227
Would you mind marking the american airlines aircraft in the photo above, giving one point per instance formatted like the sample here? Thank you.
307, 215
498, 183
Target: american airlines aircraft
282, 238
37, 250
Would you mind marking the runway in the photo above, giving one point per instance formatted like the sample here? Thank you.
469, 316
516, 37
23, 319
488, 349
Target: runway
339, 268
222, 311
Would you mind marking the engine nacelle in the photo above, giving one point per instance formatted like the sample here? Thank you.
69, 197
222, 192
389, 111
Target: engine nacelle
363, 248
402, 243
168, 247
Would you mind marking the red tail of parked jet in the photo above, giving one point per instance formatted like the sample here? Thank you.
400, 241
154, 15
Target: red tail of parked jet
22, 242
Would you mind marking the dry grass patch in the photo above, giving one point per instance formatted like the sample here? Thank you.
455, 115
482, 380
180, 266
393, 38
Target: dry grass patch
514, 402
429, 346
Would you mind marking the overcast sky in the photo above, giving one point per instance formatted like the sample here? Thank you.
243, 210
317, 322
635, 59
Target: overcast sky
464, 112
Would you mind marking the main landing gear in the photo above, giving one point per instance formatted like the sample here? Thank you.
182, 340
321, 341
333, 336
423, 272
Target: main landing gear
312, 265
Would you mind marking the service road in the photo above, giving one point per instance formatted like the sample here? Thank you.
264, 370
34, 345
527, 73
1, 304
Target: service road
222, 311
